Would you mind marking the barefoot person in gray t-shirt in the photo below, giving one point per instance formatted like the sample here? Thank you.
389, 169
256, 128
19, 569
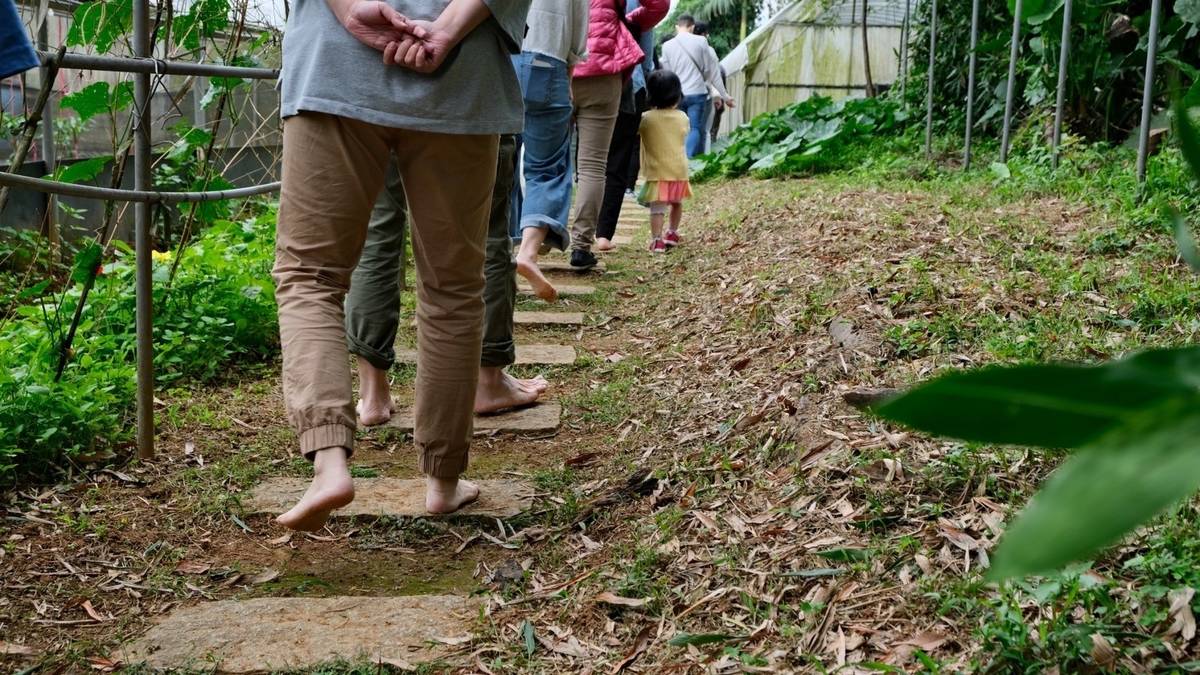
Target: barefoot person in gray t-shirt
430, 82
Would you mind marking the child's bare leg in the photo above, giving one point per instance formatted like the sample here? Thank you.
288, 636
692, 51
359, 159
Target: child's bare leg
375, 404
331, 489
676, 216
447, 495
656, 225
527, 263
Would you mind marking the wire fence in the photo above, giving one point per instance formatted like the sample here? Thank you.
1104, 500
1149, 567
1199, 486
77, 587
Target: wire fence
148, 74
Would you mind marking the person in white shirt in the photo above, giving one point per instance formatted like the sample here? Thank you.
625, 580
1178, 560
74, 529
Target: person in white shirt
695, 62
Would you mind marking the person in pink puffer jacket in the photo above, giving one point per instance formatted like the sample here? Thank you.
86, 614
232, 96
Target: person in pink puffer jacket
613, 51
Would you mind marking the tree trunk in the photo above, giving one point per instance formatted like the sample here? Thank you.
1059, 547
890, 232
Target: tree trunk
867, 53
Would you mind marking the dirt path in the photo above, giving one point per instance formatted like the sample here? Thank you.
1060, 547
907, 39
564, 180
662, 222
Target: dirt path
710, 502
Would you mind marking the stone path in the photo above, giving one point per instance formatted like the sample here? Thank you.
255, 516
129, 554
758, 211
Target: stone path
563, 289
540, 418
272, 634
277, 634
527, 355
395, 497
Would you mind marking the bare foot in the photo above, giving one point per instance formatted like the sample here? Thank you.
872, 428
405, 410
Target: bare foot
498, 391
373, 413
375, 405
449, 495
331, 489
603, 244
528, 268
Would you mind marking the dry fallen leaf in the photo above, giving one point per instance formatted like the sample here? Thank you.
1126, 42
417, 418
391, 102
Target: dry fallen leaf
192, 567
264, 576
12, 649
926, 641
612, 599
91, 611
1103, 655
639, 647
1183, 623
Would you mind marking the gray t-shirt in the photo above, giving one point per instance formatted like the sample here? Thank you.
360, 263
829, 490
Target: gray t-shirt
325, 69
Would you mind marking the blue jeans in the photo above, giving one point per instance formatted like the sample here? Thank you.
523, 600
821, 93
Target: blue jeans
546, 202
696, 107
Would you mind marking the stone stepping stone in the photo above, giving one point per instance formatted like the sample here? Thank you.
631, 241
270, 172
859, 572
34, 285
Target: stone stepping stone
565, 266
540, 418
544, 319
394, 497
548, 318
563, 289
527, 355
265, 635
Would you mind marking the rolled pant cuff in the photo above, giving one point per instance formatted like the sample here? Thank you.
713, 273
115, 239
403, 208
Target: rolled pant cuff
381, 360
499, 355
326, 436
443, 467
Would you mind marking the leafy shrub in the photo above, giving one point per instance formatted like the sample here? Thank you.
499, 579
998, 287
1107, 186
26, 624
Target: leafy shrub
814, 135
219, 308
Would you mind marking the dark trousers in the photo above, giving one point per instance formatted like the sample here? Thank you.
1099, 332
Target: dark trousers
623, 157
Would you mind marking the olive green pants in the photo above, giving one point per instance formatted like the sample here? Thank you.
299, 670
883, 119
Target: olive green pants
373, 303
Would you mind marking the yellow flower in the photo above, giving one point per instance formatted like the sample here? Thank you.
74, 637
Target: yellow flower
160, 256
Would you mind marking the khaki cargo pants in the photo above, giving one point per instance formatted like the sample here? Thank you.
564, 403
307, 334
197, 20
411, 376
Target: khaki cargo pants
333, 170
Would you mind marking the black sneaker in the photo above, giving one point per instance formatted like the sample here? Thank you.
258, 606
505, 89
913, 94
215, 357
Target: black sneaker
583, 260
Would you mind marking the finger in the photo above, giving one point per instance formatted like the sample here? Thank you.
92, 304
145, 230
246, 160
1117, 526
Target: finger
389, 53
422, 59
410, 53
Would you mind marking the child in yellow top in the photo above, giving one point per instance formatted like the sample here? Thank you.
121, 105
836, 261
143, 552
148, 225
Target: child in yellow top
664, 130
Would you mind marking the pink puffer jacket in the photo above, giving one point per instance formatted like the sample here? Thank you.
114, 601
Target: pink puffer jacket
611, 48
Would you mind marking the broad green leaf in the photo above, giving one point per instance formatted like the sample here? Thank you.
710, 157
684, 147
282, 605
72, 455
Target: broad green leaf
1049, 11
122, 96
528, 638
81, 171
1186, 243
87, 259
1028, 7
189, 139
1001, 171
1105, 491
89, 101
1188, 10
1049, 406
34, 291
1189, 138
845, 554
209, 212
701, 639
100, 24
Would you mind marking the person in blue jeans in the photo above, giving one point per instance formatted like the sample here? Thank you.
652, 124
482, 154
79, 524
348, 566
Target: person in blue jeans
555, 40
691, 58
16, 54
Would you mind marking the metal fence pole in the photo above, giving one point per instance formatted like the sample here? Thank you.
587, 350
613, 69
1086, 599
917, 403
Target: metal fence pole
49, 156
144, 275
1148, 90
1011, 93
933, 21
973, 61
1064, 60
904, 52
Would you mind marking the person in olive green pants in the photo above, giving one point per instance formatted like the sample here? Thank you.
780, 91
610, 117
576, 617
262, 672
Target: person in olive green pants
373, 303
